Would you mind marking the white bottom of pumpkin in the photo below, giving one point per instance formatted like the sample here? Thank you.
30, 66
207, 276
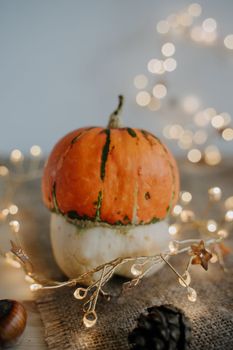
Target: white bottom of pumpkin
78, 250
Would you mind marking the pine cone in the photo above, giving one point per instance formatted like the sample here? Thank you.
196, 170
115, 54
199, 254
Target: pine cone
162, 327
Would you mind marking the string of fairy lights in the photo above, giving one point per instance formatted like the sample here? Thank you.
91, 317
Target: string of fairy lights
207, 246
197, 137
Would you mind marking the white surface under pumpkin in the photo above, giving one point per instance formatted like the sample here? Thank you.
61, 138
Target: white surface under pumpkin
78, 250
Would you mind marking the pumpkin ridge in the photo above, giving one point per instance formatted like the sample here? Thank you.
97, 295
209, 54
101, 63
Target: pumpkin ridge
173, 180
62, 158
76, 138
135, 206
54, 199
146, 134
105, 152
173, 183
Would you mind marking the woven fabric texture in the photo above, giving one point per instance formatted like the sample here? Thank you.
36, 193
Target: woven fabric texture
211, 315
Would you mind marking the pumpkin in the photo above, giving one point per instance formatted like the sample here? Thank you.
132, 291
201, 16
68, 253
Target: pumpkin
111, 179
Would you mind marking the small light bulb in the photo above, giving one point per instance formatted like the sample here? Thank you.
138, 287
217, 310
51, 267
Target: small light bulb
222, 233
5, 212
136, 269
215, 194
173, 247
16, 156
10, 259
211, 225
187, 278
214, 258
173, 229
192, 294
186, 197
3, 170
187, 216
176, 211
229, 216
15, 225
13, 209
80, 293
29, 279
89, 319
35, 151
35, 286
229, 203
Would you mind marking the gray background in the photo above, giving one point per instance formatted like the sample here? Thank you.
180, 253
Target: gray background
63, 62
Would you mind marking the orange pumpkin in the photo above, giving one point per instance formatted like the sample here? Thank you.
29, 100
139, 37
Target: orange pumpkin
115, 175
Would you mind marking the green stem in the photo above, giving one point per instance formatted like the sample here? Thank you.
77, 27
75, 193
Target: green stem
115, 119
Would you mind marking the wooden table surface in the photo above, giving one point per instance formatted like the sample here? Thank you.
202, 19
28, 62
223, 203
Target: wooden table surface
12, 281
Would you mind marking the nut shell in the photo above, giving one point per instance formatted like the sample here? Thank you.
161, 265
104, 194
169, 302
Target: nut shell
13, 319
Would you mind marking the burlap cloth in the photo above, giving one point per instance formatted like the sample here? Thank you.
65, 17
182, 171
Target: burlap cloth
211, 315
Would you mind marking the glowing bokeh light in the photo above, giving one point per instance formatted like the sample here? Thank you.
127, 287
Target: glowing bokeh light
143, 98
195, 10
159, 91
140, 81
228, 41
168, 49
194, 155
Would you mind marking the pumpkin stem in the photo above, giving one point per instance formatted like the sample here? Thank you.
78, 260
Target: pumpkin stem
115, 119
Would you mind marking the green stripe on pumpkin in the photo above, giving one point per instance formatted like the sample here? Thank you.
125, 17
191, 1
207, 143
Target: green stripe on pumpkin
54, 199
105, 152
131, 132
98, 206
146, 134
76, 138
